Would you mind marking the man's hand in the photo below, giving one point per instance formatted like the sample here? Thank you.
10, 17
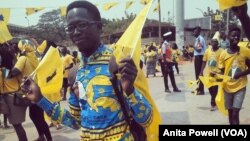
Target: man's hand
128, 72
31, 89
237, 76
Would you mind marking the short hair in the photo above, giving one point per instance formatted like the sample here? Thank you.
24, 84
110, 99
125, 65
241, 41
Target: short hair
234, 29
197, 27
87, 5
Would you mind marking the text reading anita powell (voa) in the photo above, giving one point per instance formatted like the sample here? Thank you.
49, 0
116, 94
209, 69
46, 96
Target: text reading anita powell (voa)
222, 132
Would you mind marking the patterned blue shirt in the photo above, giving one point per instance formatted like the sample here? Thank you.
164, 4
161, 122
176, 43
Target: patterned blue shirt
97, 111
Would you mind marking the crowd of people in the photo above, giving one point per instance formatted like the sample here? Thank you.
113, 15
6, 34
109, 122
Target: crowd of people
94, 103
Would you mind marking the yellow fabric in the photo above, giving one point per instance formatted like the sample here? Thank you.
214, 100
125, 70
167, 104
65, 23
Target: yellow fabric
40, 49
4, 34
220, 101
217, 36
63, 10
26, 64
176, 53
190, 50
10, 85
25, 46
49, 74
128, 4
67, 60
212, 58
243, 44
227, 4
130, 44
234, 63
30, 11
109, 5
208, 81
5, 12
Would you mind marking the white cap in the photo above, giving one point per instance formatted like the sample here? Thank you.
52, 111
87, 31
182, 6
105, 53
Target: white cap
167, 34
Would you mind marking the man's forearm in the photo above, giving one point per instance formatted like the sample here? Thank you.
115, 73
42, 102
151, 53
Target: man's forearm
245, 22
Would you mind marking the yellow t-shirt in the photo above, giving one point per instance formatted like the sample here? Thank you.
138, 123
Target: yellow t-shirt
234, 63
190, 50
26, 65
212, 58
67, 60
176, 53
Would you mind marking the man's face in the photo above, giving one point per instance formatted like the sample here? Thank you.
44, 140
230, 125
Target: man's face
234, 38
214, 43
196, 32
83, 30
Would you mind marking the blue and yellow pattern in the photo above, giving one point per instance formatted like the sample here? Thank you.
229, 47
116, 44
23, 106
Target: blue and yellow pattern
98, 107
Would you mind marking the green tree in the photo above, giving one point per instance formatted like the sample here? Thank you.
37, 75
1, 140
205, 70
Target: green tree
50, 27
219, 19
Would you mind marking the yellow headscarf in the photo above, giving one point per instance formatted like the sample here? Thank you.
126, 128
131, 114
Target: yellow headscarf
26, 46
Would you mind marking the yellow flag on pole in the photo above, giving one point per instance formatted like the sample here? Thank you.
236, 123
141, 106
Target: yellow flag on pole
129, 3
130, 44
30, 11
49, 74
4, 15
109, 5
63, 10
227, 4
4, 19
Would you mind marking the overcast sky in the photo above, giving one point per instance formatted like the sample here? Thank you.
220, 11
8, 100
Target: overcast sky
193, 8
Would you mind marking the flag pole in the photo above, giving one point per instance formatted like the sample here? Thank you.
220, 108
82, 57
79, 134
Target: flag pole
159, 30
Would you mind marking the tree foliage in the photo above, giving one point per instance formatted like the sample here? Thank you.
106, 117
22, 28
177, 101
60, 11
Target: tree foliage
220, 25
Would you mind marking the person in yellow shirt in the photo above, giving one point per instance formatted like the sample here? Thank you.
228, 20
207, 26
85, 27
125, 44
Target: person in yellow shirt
68, 64
235, 62
9, 86
76, 58
211, 58
176, 56
25, 65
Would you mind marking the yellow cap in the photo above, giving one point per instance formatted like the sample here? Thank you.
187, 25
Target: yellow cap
25, 45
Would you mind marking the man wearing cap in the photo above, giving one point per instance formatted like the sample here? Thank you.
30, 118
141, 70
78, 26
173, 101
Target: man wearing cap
199, 50
168, 64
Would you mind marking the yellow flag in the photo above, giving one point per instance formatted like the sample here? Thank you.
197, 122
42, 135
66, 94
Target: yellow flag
109, 5
208, 81
227, 4
243, 44
129, 3
63, 10
130, 44
40, 49
4, 15
49, 74
4, 34
30, 11
157, 8
192, 83
220, 102
145, 2
4, 19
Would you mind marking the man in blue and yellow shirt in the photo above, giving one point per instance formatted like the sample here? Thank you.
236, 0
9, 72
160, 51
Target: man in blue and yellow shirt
94, 106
